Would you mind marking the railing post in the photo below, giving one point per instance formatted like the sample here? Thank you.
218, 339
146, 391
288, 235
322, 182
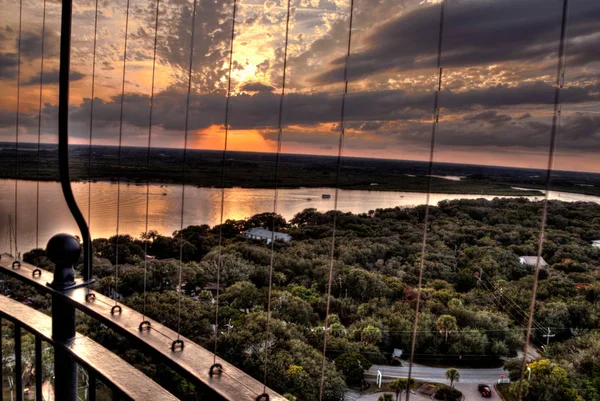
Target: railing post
63, 250
18, 363
1, 367
91, 385
38, 368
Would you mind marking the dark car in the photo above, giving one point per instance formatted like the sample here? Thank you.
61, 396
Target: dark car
484, 390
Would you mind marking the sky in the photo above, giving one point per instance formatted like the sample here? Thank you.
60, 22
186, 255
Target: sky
499, 61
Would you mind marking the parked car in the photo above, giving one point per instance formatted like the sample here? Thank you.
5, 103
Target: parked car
484, 390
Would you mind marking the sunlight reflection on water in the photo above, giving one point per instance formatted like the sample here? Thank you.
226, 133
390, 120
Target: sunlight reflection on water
202, 206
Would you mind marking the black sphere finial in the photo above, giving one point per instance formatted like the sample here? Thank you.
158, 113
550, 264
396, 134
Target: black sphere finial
63, 250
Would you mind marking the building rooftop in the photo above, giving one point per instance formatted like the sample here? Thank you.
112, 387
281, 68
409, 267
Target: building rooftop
532, 260
263, 233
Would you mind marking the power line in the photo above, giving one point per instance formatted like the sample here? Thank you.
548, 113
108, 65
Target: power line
90, 256
183, 169
336, 196
37, 189
436, 114
119, 155
275, 194
17, 130
150, 115
223, 158
560, 75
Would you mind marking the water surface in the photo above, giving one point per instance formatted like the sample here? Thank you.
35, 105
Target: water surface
202, 206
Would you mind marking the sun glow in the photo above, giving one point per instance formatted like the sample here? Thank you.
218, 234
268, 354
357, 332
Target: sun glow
213, 138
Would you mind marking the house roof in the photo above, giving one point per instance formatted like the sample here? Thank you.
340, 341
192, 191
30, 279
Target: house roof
264, 233
532, 260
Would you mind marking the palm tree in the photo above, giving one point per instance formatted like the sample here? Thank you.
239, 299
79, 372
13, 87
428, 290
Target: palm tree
400, 385
453, 375
445, 324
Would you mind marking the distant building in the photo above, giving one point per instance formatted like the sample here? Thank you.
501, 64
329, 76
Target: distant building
266, 235
596, 243
532, 260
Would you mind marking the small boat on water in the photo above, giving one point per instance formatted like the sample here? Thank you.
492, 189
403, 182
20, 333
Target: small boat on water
326, 196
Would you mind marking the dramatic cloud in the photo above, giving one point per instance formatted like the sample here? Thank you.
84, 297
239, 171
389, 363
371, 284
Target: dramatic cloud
499, 59
51, 78
476, 33
8, 65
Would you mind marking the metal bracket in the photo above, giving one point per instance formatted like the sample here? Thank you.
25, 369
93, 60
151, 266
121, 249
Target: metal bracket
263, 397
16, 264
217, 366
177, 345
145, 325
36, 273
90, 297
114, 309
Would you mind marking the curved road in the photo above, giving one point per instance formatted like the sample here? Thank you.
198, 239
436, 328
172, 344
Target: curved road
469, 379
427, 373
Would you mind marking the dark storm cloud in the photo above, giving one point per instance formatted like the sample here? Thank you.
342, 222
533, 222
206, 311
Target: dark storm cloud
578, 132
7, 118
51, 78
8, 65
364, 109
475, 33
31, 44
489, 116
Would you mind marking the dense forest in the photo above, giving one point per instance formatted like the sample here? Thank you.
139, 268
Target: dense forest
475, 296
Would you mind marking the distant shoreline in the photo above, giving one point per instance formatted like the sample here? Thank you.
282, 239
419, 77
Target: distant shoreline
208, 169
499, 191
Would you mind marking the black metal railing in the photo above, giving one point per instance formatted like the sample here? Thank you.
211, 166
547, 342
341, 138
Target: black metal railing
79, 353
220, 381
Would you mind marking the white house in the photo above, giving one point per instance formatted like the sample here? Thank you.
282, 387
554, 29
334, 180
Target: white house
532, 261
266, 235
596, 243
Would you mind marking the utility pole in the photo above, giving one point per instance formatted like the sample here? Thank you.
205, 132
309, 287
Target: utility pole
548, 336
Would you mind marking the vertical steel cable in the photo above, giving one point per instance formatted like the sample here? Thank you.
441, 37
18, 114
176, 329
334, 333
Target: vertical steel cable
560, 78
119, 155
434, 128
90, 142
275, 195
185, 140
219, 256
148, 157
37, 190
17, 129
336, 196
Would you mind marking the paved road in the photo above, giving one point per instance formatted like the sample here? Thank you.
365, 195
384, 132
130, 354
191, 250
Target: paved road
469, 390
426, 373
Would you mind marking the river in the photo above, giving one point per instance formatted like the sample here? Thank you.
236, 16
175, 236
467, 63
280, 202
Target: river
202, 206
